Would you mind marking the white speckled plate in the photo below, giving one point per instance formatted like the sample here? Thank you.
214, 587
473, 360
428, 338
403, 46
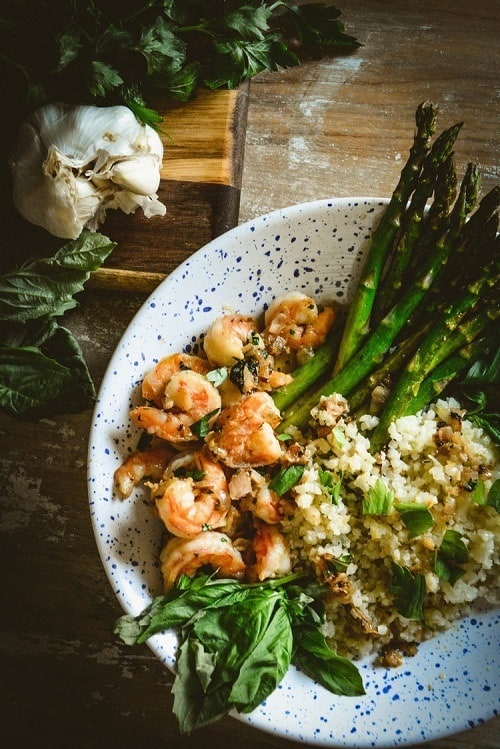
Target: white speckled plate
452, 683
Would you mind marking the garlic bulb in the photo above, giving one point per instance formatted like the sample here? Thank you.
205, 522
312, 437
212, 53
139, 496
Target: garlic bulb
71, 164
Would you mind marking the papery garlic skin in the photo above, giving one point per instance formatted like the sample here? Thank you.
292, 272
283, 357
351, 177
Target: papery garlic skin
72, 164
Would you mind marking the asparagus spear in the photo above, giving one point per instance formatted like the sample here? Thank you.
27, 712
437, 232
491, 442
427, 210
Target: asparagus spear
445, 339
452, 367
375, 347
445, 192
389, 368
310, 372
357, 323
412, 221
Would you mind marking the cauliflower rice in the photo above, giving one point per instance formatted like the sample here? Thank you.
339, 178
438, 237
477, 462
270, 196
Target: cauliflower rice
434, 458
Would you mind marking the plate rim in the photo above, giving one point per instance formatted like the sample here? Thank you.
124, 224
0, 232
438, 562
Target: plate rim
279, 213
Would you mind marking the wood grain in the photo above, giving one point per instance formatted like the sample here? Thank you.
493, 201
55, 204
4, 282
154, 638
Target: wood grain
331, 127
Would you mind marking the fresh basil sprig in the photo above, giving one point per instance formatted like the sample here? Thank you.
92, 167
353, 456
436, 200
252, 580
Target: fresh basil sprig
237, 642
42, 368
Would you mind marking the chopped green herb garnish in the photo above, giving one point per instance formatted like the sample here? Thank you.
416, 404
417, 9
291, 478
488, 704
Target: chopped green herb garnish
286, 479
451, 554
284, 437
379, 500
217, 376
417, 518
339, 435
331, 483
340, 564
202, 427
409, 592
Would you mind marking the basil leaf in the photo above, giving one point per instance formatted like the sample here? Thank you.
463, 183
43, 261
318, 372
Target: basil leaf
478, 493
453, 548
47, 286
409, 592
490, 423
28, 379
266, 664
417, 518
493, 498
237, 641
286, 479
484, 371
339, 564
36, 382
333, 487
316, 659
217, 376
379, 499
193, 707
202, 427
451, 554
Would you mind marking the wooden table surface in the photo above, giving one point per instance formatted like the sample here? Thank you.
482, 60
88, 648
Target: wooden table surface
335, 127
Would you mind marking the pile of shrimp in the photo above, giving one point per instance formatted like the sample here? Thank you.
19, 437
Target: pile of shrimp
213, 452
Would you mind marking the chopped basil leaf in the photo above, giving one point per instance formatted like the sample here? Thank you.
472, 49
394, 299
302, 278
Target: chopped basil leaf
453, 548
493, 498
490, 499
189, 473
217, 376
202, 427
339, 435
450, 556
379, 499
340, 564
333, 487
284, 437
409, 592
416, 517
286, 478
478, 493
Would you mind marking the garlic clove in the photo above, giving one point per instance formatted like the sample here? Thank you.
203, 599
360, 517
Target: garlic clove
139, 175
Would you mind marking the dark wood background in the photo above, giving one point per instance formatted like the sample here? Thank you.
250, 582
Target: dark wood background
334, 127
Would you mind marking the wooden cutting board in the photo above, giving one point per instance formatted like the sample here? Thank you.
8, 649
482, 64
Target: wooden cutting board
200, 186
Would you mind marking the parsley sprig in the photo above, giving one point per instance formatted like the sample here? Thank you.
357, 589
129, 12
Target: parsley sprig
100, 52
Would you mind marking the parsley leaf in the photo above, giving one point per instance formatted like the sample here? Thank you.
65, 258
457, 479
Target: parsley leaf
83, 51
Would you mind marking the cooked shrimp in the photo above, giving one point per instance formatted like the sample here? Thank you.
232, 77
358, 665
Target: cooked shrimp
193, 497
272, 552
188, 398
293, 322
187, 555
227, 337
153, 384
149, 464
243, 434
252, 490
